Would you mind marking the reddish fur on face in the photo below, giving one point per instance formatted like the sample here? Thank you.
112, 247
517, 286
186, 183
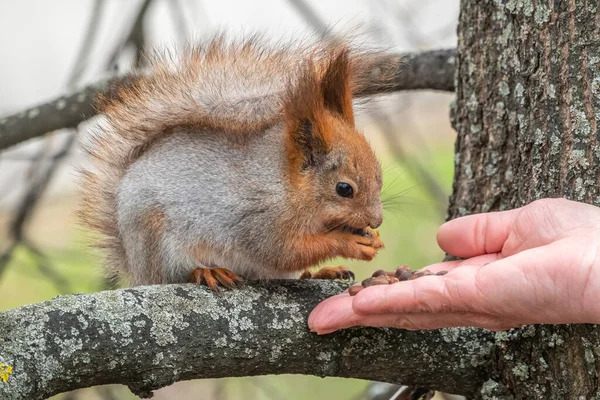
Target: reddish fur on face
324, 98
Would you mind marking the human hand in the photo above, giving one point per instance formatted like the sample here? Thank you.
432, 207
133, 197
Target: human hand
532, 265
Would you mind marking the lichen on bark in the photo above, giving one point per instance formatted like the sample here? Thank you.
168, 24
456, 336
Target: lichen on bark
526, 114
150, 337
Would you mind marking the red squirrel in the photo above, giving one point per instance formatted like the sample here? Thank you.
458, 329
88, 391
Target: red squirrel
231, 161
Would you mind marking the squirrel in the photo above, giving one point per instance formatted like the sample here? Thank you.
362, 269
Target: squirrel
233, 161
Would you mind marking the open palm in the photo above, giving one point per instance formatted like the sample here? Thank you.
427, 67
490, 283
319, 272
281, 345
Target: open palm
535, 264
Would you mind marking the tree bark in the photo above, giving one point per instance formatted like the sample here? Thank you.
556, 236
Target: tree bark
149, 337
526, 113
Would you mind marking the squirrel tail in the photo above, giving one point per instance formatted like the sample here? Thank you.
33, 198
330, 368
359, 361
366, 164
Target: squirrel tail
206, 87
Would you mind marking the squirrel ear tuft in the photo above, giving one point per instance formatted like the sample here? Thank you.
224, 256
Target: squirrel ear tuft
335, 85
306, 145
322, 86
307, 139
310, 143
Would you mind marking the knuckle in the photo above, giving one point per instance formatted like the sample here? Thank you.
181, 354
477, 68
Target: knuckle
547, 206
431, 295
480, 231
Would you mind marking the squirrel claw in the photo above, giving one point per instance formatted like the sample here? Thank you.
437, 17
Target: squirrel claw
215, 278
331, 273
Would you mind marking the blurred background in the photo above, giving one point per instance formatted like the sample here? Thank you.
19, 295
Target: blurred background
50, 48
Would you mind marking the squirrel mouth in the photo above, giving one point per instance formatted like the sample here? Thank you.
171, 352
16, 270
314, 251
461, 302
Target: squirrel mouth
354, 231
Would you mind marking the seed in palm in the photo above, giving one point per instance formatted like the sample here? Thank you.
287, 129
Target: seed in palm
399, 274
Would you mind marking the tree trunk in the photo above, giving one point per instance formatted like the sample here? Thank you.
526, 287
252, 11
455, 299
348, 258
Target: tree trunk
526, 113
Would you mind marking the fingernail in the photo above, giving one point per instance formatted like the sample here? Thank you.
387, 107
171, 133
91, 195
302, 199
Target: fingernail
321, 333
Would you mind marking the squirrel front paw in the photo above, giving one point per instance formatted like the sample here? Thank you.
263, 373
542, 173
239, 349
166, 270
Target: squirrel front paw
367, 245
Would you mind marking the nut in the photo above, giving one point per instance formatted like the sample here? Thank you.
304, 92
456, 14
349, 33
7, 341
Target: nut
378, 280
353, 290
401, 268
405, 276
399, 274
379, 272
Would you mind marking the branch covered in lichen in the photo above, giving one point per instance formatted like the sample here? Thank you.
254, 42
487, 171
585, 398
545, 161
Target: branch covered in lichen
66, 111
150, 337
432, 70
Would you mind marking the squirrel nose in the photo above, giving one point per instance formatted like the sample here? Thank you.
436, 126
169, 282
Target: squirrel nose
375, 220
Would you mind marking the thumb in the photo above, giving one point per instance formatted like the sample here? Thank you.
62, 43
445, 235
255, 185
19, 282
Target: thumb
476, 234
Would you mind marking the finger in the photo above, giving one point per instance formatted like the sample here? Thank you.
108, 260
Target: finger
526, 288
479, 288
477, 234
343, 311
336, 313
426, 294
425, 321
332, 314
475, 261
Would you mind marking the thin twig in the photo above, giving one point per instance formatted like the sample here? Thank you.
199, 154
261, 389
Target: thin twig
219, 390
134, 36
87, 44
34, 193
432, 70
179, 20
6, 256
40, 180
47, 269
310, 16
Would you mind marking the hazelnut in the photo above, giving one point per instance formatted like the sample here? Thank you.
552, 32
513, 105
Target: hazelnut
353, 290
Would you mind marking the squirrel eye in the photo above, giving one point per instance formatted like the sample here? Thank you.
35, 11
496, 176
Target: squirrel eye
344, 189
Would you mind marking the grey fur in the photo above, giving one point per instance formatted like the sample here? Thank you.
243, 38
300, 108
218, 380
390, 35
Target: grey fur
228, 211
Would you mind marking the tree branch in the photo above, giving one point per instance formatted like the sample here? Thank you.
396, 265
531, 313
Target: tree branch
432, 70
429, 70
150, 337
67, 111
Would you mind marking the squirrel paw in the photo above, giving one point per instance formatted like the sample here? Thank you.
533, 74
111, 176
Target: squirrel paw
370, 238
215, 277
340, 272
369, 244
